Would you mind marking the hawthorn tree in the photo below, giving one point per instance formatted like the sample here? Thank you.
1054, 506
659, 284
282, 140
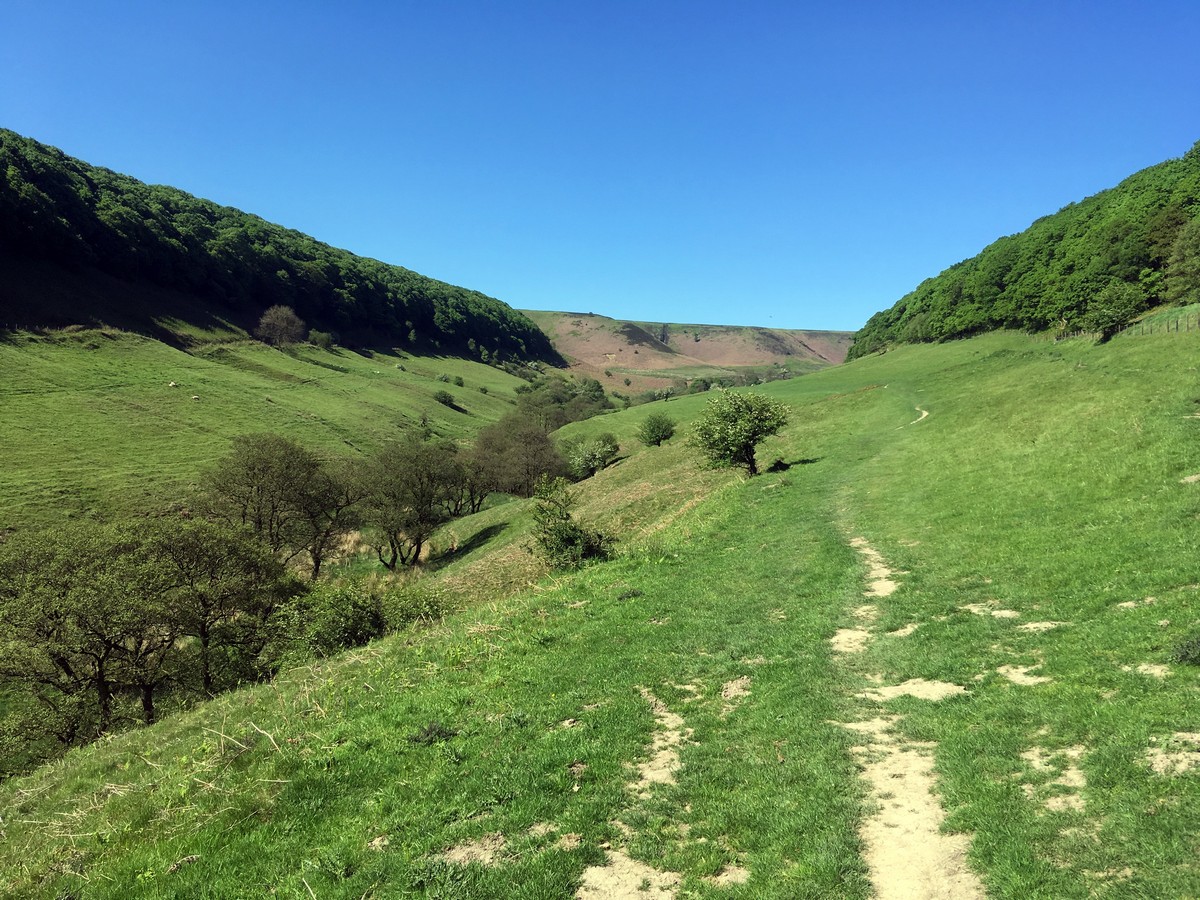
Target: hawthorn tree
655, 429
280, 326
733, 425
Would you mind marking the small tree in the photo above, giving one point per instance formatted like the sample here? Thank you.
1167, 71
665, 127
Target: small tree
1113, 308
733, 425
560, 540
657, 428
587, 457
280, 326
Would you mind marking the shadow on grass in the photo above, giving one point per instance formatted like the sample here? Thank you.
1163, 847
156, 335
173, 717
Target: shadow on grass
474, 542
780, 466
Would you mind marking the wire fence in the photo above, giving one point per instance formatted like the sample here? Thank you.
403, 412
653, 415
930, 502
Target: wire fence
1188, 322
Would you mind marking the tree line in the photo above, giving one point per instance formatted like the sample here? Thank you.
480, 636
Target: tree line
82, 217
100, 622
1094, 265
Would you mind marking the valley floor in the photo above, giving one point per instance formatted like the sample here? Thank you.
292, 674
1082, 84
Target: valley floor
931, 655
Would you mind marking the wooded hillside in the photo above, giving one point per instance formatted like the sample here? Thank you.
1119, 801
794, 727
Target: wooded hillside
1133, 246
85, 245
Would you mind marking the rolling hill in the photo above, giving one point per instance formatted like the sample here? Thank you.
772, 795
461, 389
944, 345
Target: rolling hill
82, 245
1138, 241
659, 355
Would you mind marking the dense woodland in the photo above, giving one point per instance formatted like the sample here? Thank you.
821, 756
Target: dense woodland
1120, 251
203, 256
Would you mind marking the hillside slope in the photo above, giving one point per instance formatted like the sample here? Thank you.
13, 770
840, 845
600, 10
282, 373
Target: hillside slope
1143, 234
961, 595
82, 245
654, 355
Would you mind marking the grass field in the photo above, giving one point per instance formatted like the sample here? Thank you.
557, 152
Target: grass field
89, 424
970, 576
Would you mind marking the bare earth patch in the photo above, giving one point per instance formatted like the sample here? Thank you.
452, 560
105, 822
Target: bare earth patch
1067, 775
1133, 604
728, 876
915, 687
868, 612
660, 768
983, 609
881, 579
1154, 670
733, 693
1020, 674
482, 850
905, 631
1179, 754
1040, 626
623, 878
908, 855
1190, 479
850, 640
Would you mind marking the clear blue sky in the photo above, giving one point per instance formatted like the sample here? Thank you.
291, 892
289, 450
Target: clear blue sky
791, 164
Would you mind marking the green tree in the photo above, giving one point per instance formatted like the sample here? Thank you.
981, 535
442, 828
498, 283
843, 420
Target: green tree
733, 425
514, 453
408, 488
224, 587
1182, 276
561, 541
296, 503
588, 456
1113, 308
655, 429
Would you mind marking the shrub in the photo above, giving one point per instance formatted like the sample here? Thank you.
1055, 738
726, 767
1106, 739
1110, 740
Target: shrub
280, 326
657, 428
413, 603
733, 425
445, 398
586, 458
458, 381
444, 378
1188, 652
1113, 308
322, 339
561, 541
326, 620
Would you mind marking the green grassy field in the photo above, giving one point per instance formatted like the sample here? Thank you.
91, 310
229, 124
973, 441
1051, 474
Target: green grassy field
678, 716
89, 424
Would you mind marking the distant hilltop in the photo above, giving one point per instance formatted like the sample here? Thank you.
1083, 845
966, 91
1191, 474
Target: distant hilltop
659, 354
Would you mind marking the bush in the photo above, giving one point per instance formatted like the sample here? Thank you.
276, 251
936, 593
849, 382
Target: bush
561, 541
413, 603
458, 381
1188, 652
280, 326
322, 339
445, 398
733, 425
586, 458
657, 428
328, 619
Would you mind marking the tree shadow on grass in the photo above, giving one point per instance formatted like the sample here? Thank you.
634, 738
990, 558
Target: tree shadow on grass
781, 466
474, 542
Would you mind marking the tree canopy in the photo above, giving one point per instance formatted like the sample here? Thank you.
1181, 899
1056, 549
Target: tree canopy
219, 263
1144, 233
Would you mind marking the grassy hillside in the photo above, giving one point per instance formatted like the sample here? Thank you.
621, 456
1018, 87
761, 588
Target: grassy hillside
82, 245
90, 424
1138, 241
658, 355
970, 578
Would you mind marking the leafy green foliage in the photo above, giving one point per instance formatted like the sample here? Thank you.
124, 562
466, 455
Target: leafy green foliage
287, 495
1143, 233
216, 263
733, 425
588, 456
561, 541
655, 429
324, 621
514, 453
445, 398
1188, 651
1114, 308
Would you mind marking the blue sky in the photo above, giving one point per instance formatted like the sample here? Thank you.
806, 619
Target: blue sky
790, 164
